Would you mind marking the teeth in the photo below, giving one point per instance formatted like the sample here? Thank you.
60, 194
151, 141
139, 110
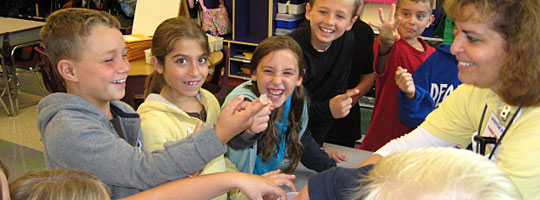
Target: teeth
326, 30
466, 64
276, 93
191, 82
119, 81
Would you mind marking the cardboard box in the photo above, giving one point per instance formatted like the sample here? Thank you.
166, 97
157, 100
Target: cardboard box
297, 8
215, 43
282, 8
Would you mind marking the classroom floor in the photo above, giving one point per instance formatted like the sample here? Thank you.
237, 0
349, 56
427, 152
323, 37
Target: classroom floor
20, 143
21, 148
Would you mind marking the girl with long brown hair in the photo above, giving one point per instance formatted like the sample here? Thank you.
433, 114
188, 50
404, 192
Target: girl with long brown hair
276, 72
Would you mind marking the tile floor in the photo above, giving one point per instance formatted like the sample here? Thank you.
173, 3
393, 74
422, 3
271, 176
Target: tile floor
20, 142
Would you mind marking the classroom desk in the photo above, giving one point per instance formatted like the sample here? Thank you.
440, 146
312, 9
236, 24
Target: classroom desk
356, 156
15, 34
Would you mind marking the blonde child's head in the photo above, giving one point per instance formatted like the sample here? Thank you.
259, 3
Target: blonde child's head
89, 52
427, 3
329, 19
58, 184
179, 36
437, 173
66, 30
277, 69
415, 16
355, 7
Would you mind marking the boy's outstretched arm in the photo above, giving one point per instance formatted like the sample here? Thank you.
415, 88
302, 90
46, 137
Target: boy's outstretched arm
236, 117
388, 34
211, 185
388, 30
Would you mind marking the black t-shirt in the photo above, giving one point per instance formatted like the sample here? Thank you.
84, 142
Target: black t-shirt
328, 72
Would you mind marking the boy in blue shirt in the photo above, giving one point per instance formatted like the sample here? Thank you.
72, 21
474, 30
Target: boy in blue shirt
423, 91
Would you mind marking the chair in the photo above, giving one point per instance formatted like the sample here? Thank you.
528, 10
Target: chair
52, 81
5, 89
218, 84
24, 57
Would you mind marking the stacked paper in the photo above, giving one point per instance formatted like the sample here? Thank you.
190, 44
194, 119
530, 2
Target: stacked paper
136, 44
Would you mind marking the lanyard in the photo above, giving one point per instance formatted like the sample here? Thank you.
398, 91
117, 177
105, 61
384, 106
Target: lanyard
483, 141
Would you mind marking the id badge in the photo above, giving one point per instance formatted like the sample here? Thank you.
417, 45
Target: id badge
494, 128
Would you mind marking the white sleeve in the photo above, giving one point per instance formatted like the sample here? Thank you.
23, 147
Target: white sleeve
419, 137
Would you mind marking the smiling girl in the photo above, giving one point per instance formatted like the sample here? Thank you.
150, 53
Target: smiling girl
175, 104
277, 69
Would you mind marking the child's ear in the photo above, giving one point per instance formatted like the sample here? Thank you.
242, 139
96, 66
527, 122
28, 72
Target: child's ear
300, 78
254, 77
159, 67
308, 11
67, 71
353, 20
431, 20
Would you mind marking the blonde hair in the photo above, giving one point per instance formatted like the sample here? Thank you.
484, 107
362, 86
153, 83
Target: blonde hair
428, 2
58, 184
355, 7
66, 30
166, 34
517, 22
438, 173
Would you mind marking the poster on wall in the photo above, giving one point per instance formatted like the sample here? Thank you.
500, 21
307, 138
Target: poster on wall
149, 14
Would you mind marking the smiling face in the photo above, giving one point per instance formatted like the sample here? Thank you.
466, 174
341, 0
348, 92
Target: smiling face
185, 69
328, 20
415, 18
277, 75
100, 74
480, 51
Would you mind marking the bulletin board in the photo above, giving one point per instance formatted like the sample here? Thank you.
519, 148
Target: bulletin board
150, 13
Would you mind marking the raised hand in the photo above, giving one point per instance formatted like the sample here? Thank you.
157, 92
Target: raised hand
388, 28
341, 105
405, 83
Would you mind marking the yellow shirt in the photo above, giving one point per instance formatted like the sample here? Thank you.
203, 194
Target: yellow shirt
161, 122
459, 115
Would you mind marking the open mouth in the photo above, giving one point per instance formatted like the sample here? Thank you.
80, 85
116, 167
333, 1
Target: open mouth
275, 92
326, 30
119, 81
191, 83
465, 64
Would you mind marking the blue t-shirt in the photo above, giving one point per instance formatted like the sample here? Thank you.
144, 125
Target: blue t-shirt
273, 163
